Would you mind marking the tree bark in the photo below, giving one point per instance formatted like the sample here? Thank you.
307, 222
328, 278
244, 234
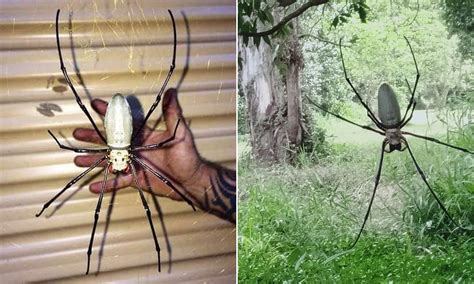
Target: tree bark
294, 62
273, 98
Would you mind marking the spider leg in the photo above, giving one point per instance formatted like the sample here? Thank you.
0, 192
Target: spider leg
108, 217
77, 150
437, 141
170, 72
410, 104
375, 120
69, 82
428, 185
377, 179
345, 119
162, 143
412, 101
370, 114
71, 183
405, 122
96, 217
162, 178
148, 213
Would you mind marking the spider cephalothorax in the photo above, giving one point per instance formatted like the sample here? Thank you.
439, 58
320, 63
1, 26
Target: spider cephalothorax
394, 140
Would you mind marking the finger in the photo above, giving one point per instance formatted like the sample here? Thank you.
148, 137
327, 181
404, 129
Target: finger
159, 188
120, 182
99, 106
171, 108
163, 190
172, 111
87, 160
87, 135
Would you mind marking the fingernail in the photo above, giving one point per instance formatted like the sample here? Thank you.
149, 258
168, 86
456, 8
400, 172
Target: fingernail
96, 104
94, 188
76, 160
76, 133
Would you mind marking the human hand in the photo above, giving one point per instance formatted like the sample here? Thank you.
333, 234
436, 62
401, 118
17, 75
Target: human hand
209, 186
178, 160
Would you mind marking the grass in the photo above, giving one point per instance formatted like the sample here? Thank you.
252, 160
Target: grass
295, 224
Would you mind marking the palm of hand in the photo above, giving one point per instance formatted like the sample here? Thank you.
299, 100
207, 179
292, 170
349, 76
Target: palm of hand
178, 160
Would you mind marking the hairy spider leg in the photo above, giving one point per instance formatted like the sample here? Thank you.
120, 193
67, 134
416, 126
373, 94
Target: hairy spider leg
345, 119
369, 111
158, 145
71, 183
409, 117
69, 82
377, 179
412, 98
148, 213
170, 72
404, 122
77, 178
434, 140
77, 150
423, 177
96, 217
162, 178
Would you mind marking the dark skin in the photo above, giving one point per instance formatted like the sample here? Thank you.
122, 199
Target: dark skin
209, 186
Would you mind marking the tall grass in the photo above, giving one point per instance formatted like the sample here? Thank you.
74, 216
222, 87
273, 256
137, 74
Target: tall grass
295, 223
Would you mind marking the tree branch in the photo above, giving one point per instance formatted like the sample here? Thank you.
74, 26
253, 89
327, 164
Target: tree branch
322, 39
286, 19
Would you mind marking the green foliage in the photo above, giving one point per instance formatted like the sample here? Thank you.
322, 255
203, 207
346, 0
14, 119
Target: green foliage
376, 51
458, 17
257, 15
295, 224
451, 177
359, 7
314, 146
254, 14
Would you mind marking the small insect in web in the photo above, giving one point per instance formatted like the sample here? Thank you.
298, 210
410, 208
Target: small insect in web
390, 125
120, 153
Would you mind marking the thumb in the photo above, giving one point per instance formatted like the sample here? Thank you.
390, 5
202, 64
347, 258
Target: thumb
171, 109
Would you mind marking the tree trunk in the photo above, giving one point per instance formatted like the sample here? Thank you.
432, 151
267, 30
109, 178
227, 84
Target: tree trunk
273, 98
294, 62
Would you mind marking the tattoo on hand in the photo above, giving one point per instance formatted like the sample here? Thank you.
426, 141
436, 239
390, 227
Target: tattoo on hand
220, 198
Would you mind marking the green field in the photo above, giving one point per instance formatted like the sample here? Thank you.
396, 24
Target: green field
296, 222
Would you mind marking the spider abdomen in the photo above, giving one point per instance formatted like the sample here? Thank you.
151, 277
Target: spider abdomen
389, 110
118, 123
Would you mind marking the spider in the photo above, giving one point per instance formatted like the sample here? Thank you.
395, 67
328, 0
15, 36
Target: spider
390, 124
120, 153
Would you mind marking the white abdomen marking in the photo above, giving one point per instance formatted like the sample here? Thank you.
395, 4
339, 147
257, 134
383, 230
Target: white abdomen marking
119, 129
118, 123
